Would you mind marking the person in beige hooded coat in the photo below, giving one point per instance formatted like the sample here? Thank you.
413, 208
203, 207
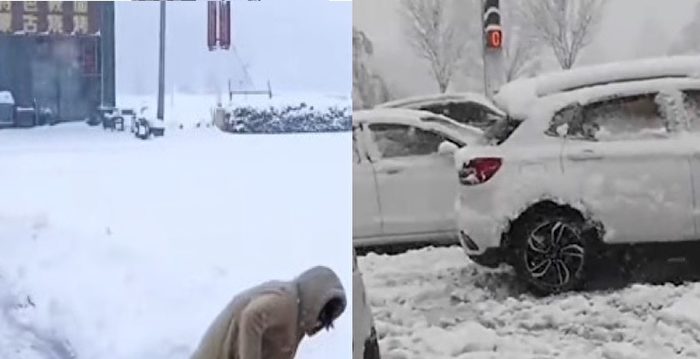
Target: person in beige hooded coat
270, 320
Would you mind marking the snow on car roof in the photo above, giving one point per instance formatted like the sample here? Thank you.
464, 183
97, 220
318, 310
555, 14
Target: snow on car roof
418, 118
6, 97
419, 101
517, 97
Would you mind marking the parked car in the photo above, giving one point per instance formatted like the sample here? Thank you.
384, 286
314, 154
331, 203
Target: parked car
364, 336
469, 108
605, 157
7, 108
404, 185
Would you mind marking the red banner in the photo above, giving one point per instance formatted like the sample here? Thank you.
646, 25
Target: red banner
211, 25
225, 24
50, 17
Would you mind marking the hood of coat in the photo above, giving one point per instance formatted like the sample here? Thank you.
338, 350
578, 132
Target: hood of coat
318, 287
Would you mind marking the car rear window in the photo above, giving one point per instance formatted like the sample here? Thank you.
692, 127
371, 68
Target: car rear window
501, 130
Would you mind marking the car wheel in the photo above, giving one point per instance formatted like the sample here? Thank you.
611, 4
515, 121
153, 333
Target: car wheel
371, 347
551, 252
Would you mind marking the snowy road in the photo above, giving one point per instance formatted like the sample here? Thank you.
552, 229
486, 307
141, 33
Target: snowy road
116, 248
435, 303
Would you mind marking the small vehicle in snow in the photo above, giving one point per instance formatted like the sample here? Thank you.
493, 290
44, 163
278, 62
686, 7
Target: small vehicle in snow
469, 108
604, 157
145, 126
404, 184
364, 336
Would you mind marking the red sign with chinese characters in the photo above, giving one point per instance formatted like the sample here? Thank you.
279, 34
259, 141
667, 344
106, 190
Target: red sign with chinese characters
50, 17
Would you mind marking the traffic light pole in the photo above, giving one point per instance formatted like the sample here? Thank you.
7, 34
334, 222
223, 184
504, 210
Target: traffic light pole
492, 39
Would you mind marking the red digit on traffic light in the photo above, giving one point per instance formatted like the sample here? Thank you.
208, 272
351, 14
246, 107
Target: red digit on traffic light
496, 39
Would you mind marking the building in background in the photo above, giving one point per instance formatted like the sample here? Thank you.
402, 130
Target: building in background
58, 55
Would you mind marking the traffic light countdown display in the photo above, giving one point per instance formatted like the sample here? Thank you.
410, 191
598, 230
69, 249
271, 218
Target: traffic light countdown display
218, 13
494, 69
492, 24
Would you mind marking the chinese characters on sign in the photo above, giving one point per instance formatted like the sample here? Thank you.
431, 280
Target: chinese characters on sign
50, 17
80, 18
30, 20
5, 16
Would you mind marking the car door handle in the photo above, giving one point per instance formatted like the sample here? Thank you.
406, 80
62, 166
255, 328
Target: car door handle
392, 170
585, 155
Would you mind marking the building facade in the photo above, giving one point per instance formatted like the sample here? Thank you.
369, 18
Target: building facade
58, 55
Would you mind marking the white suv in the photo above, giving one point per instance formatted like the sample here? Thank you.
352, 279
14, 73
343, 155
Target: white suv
604, 155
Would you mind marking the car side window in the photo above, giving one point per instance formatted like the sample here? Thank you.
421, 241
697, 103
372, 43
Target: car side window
692, 107
396, 140
620, 118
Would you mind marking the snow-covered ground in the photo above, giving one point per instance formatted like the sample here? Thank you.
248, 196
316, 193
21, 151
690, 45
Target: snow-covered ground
435, 303
117, 248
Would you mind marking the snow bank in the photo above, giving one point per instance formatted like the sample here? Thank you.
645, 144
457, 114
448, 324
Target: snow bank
194, 110
128, 249
435, 303
289, 119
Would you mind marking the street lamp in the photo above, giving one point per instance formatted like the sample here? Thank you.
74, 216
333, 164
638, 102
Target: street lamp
161, 63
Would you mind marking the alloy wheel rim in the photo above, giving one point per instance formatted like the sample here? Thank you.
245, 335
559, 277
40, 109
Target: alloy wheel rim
554, 254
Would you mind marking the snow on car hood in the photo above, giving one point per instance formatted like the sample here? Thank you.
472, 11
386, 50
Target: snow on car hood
420, 101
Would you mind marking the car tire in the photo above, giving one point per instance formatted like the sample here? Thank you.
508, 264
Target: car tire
371, 350
551, 251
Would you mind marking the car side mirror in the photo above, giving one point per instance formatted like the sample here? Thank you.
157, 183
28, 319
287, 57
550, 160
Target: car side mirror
447, 148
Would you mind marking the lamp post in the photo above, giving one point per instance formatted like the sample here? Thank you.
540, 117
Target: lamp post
161, 63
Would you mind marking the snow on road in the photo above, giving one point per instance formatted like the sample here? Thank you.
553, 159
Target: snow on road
435, 303
116, 248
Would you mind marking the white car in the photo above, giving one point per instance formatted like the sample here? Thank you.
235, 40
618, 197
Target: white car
364, 336
404, 183
606, 155
469, 108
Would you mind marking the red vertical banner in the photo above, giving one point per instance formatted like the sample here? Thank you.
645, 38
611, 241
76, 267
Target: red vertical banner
225, 24
211, 25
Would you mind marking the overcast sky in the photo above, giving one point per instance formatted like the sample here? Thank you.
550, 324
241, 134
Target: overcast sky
299, 45
629, 28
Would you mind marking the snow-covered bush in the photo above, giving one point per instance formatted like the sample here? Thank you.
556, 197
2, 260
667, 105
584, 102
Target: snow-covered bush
289, 119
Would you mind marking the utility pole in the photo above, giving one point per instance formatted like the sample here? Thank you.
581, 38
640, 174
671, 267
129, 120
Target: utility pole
161, 63
494, 69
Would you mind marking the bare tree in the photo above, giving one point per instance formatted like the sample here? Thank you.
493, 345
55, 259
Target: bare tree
521, 51
434, 37
565, 26
688, 41
368, 87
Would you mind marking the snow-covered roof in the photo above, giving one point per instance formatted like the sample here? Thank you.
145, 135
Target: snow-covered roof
6, 97
420, 101
418, 118
518, 96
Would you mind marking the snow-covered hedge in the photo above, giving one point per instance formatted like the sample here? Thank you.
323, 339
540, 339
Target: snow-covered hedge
289, 119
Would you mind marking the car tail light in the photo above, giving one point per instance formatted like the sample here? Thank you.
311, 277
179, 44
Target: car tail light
479, 170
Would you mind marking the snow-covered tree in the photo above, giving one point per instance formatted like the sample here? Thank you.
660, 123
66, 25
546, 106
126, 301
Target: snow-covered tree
368, 88
564, 26
521, 50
